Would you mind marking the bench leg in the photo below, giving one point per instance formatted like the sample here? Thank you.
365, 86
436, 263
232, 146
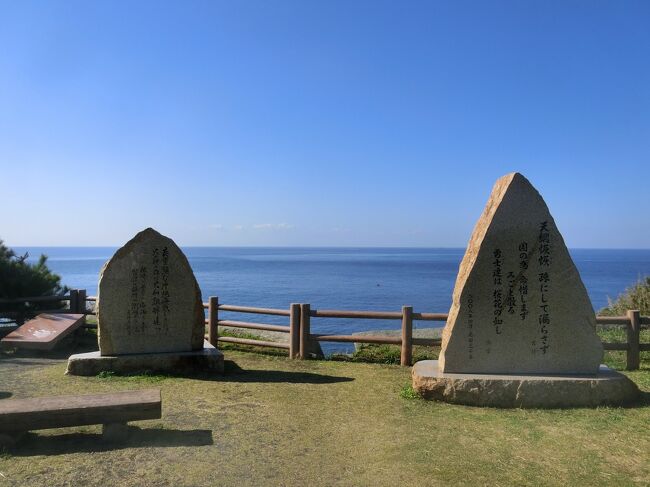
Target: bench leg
115, 431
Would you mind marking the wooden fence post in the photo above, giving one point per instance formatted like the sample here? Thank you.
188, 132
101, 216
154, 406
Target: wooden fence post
406, 357
74, 301
294, 330
213, 320
305, 323
633, 338
81, 301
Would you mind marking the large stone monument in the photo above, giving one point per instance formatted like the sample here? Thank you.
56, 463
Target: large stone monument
149, 313
521, 329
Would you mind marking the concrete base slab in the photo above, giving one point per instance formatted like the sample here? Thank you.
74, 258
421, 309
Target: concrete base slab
608, 387
92, 363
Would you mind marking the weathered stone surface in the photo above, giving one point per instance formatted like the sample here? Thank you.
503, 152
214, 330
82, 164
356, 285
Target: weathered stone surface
209, 359
149, 300
608, 387
519, 305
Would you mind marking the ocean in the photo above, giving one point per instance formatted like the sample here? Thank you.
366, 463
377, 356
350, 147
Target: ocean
340, 278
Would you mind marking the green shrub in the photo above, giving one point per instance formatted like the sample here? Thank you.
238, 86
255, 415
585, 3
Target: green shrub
386, 354
634, 297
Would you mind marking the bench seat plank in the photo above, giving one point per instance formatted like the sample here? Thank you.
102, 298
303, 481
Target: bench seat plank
44, 331
63, 411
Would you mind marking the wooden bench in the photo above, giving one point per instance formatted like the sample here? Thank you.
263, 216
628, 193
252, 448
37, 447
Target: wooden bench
17, 416
43, 332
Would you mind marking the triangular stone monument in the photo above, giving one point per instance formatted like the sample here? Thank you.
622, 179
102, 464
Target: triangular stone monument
519, 305
521, 330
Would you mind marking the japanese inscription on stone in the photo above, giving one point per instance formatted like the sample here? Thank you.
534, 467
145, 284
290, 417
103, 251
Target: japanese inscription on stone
149, 300
519, 305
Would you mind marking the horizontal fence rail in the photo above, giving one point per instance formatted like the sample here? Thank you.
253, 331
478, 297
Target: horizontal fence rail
373, 315
299, 326
430, 316
633, 345
357, 339
76, 299
632, 322
620, 320
406, 340
35, 299
255, 326
259, 311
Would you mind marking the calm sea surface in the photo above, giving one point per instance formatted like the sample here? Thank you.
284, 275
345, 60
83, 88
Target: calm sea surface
340, 278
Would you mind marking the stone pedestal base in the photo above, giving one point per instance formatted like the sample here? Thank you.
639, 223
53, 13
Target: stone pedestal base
92, 363
608, 387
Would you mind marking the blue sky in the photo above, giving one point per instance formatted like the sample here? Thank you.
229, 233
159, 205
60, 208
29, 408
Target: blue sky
320, 122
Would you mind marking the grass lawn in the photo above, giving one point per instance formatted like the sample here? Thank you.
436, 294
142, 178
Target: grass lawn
272, 421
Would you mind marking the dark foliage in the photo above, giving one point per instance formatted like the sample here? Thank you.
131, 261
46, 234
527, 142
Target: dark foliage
19, 278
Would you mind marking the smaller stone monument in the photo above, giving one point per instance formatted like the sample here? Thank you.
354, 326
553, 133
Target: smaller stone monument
521, 330
149, 313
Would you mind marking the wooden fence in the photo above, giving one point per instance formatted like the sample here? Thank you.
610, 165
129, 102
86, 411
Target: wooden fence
633, 345
76, 300
303, 314
213, 322
299, 325
406, 340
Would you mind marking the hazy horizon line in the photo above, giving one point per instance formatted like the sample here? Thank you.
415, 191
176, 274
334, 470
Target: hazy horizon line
305, 247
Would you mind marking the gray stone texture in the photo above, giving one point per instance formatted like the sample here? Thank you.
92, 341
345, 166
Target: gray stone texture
208, 359
608, 387
149, 300
519, 305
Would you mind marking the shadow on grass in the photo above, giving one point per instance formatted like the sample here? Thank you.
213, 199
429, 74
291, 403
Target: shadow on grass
643, 401
25, 360
35, 444
234, 373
